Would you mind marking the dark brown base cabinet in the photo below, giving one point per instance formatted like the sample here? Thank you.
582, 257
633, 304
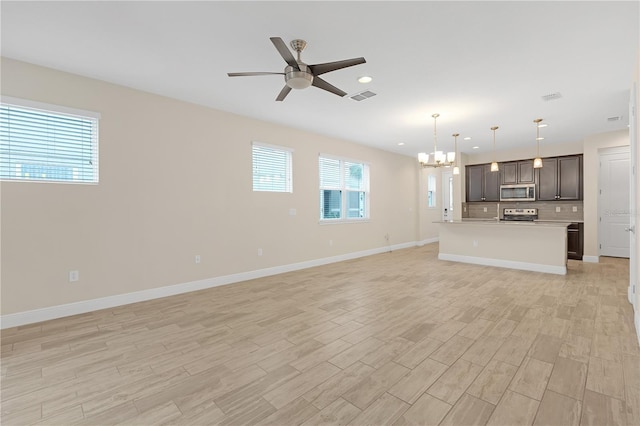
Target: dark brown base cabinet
575, 241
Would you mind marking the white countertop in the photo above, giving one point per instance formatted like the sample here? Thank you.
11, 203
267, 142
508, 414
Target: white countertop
507, 222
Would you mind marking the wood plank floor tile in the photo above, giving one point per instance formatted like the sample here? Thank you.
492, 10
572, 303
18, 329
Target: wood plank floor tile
418, 380
330, 390
606, 377
531, 378
299, 385
418, 352
426, 411
356, 352
558, 409
385, 410
631, 369
455, 381
599, 409
339, 412
451, 350
568, 378
373, 386
514, 409
492, 381
468, 411
360, 339
295, 412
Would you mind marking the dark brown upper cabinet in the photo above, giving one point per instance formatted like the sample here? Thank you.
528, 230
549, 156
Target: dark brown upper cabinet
515, 172
482, 183
560, 178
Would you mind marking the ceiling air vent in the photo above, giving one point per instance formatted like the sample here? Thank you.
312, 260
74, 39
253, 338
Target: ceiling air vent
362, 95
551, 96
616, 118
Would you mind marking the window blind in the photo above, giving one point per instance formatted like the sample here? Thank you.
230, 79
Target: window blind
271, 168
47, 145
344, 189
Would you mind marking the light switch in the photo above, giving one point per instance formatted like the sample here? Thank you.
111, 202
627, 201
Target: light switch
293, 212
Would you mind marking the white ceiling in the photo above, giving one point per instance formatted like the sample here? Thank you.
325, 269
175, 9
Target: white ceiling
478, 64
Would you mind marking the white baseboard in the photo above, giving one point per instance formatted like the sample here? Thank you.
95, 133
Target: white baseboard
427, 241
591, 259
535, 267
636, 317
59, 311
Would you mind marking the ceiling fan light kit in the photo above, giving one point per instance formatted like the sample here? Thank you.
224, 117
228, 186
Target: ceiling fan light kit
297, 74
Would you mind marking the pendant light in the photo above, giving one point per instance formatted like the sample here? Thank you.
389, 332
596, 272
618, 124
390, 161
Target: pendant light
537, 162
494, 164
440, 159
456, 169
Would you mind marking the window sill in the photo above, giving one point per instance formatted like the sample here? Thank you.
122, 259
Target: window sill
342, 221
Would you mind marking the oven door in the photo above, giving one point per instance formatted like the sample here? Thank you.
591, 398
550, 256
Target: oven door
517, 192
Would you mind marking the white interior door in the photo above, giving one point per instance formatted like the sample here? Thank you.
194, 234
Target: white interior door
614, 202
447, 195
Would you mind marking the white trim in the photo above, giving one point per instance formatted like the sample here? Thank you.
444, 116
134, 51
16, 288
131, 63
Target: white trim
268, 145
637, 321
591, 259
59, 311
49, 107
428, 241
525, 266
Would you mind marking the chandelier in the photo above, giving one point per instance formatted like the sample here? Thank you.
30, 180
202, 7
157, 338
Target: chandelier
436, 158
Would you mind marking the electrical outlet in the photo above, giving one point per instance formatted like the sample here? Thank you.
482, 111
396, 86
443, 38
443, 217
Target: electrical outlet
485, 209
465, 209
197, 258
330, 243
293, 212
259, 252
558, 209
475, 243
574, 209
74, 276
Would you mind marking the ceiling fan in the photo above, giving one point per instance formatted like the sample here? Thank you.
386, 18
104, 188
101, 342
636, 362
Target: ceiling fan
297, 74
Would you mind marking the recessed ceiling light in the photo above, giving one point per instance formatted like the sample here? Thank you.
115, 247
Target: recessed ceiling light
468, 138
476, 147
400, 143
365, 79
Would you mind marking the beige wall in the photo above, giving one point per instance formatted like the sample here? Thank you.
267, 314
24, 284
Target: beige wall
175, 181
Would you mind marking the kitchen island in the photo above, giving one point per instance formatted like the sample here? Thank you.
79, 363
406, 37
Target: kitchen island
530, 246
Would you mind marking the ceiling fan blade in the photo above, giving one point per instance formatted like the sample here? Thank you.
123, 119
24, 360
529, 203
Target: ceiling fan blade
322, 84
283, 93
284, 52
245, 74
319, 69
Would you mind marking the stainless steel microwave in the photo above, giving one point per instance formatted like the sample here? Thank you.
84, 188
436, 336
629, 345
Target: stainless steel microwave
518, 192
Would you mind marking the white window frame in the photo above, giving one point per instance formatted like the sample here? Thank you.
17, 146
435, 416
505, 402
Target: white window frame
344, 190
60, 111
288, 172
432, 191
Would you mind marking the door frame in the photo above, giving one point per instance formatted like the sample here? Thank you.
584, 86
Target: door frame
633, 204
447, 188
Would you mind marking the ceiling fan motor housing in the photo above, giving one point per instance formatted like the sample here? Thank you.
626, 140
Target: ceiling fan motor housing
298, 79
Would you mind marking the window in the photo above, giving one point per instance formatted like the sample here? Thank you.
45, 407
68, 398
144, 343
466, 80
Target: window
271, 168
41, 142
431, 191
344, 190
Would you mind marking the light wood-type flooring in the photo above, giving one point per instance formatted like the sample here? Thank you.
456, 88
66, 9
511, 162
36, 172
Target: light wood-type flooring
398, 338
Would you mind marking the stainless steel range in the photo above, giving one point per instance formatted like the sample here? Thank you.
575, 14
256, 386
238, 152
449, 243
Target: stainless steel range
520, 215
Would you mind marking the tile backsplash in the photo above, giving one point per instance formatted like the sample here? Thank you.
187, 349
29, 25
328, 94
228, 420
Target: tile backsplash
546, 210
